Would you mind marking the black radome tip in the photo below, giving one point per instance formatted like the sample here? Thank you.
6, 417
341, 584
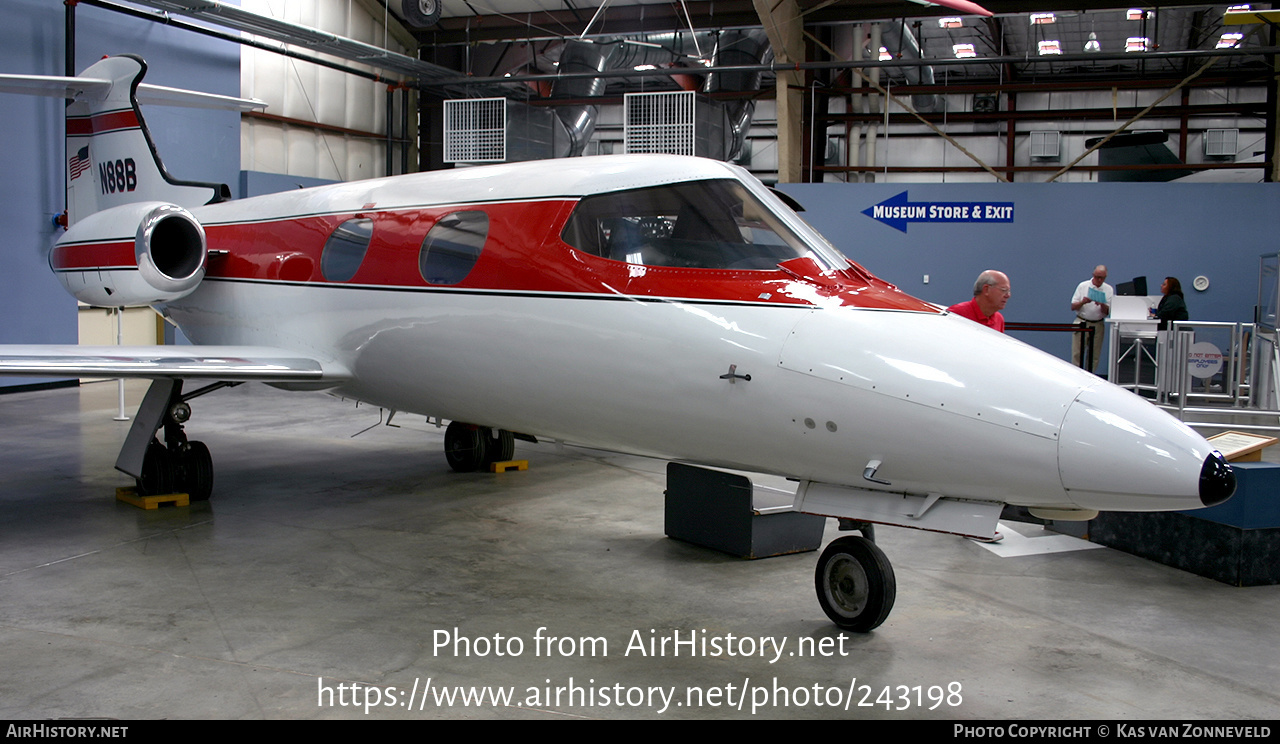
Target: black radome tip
1217, 480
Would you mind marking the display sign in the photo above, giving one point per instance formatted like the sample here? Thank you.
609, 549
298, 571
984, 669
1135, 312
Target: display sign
898, 211
1239, 446
1204, 360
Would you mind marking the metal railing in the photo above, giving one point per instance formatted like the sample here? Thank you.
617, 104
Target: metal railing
1201, 370
1086, 357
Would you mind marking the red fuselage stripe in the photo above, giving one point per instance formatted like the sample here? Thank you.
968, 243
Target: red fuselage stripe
92, 256
111, 121
523, 253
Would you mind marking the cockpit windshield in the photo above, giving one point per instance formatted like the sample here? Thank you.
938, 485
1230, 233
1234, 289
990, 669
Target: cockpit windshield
716, 224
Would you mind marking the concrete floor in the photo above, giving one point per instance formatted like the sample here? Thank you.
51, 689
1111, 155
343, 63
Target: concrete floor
326, 560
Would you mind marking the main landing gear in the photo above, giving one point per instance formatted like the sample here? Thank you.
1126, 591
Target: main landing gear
855, 581
469, 447
176, 465
182, 468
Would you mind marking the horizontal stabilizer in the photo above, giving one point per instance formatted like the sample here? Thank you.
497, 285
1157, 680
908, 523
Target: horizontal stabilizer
227, 363
79, 87
159, 95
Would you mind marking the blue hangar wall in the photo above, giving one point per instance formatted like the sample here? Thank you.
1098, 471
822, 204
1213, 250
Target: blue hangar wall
1048, 238
195, 144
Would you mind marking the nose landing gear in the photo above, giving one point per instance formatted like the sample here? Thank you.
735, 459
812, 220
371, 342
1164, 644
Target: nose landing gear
855, 584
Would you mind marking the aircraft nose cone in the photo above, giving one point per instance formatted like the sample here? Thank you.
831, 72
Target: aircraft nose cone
1217, 480
1118, 452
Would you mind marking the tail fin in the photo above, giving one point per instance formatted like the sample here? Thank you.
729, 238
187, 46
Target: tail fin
111, 159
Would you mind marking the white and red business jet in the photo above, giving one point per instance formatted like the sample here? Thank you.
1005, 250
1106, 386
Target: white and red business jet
664, 306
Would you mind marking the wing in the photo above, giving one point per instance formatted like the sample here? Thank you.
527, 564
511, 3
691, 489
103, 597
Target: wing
226, 363
279, 367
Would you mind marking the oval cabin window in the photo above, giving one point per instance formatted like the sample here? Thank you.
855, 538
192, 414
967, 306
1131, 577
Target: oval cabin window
344, 250
453, 245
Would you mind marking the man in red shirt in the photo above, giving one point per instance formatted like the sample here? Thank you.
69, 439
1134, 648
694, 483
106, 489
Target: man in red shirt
990, 293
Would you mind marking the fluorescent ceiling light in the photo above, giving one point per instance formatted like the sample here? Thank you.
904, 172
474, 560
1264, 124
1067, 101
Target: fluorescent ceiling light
950, 22
1038, 19
964, 51
1229, 40
1136, 44
1049, 46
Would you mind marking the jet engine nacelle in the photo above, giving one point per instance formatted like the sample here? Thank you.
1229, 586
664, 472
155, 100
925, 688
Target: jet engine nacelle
132, 255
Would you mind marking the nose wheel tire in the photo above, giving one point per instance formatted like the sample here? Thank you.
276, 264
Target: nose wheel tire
855, 584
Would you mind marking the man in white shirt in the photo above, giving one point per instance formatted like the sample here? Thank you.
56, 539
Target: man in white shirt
1091, 304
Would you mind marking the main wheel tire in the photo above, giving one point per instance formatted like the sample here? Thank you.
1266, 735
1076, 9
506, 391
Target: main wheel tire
157, 471
501, 445
421, 13
465, 446
197, 472
855, 584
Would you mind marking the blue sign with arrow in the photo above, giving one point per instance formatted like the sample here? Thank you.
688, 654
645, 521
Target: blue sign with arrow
896, 212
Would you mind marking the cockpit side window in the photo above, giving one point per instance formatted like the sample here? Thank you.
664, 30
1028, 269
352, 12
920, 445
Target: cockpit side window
716, 224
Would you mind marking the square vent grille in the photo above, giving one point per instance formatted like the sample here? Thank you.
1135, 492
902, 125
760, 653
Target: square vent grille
1044, 145
475, 130
659, 123
1220, 143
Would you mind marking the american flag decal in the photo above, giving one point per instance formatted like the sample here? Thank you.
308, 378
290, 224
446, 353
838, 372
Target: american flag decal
79, 162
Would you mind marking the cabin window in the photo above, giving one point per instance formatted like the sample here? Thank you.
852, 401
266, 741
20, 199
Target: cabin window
344, 250
716, 224
452, 247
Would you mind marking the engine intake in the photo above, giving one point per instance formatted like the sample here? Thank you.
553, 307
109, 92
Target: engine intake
132, 255
170, 249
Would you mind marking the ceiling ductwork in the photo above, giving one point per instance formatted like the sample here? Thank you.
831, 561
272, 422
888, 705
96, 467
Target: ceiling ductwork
579, 120
738, 48
903, 44
669, 51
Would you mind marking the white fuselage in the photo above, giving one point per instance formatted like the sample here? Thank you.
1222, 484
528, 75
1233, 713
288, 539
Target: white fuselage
947, 405
591, 309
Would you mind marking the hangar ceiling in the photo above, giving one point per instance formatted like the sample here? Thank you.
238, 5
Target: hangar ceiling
1006, 47
518, 49
477, 43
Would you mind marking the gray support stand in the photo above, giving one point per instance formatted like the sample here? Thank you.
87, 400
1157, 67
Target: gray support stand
716, 509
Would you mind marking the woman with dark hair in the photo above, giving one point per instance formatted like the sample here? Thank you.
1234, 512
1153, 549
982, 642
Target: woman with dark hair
1173, 306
